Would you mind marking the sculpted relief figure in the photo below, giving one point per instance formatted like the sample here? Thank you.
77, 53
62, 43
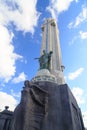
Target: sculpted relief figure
31, 111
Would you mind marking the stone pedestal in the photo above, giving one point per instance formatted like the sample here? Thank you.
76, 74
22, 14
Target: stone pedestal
44, 75
47, 106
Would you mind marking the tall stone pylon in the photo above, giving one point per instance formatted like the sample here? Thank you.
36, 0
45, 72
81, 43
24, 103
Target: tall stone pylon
50, 42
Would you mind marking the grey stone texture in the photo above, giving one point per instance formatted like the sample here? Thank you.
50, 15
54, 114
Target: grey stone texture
47, 106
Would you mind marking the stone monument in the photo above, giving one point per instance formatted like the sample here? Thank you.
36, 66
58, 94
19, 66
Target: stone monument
46, 101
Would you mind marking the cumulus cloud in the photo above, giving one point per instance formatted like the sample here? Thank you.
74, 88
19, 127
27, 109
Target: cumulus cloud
18, 12
7, 100
24, 18
22, 76
7, 55
79, 19
83, 35
75, 74
58, 6
78, 93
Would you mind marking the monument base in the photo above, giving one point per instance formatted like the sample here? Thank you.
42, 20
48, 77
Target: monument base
47, 106
44, 75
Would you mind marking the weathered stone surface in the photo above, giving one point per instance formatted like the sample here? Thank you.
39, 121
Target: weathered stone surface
47, 106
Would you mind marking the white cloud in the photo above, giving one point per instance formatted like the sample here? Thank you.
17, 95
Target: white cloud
58, 6
75, 74
85, 118
21, 13
24, 17
7, 100
78, 93
7, 55
20, 78
79, 19
14, 94
83, 35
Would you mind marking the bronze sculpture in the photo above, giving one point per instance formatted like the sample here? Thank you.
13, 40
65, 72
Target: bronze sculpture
45, 60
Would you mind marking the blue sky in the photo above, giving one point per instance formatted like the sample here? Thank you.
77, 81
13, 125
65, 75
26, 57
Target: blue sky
20, 42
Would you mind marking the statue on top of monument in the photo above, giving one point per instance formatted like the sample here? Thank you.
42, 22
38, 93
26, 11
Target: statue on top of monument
44, 60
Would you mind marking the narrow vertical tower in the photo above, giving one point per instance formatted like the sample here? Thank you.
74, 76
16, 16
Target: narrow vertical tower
50, 42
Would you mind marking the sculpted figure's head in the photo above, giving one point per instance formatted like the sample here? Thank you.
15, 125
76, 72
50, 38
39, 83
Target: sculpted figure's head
26, 83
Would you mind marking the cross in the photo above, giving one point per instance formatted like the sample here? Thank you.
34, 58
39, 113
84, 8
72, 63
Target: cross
47, 34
